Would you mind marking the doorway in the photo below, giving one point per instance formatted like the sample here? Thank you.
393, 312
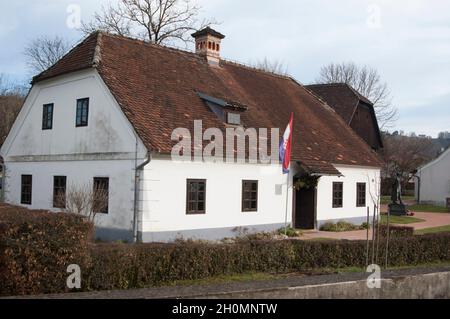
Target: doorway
305, 208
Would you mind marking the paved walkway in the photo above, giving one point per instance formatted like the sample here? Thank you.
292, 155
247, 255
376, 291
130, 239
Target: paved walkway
431, 220
245, 288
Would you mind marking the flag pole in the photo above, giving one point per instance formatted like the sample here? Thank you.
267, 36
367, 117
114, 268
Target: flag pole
287, 200
285, 157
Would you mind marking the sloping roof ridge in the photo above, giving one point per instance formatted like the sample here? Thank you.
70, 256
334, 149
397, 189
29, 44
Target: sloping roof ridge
255, 69
154, 45
193, 54
436, 160
76, 46
97, 58
318, 97
328, 84
354, 91
359, 95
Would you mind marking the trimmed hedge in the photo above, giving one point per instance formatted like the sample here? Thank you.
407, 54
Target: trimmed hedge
37, 247
396, 231
120, 266
31, 260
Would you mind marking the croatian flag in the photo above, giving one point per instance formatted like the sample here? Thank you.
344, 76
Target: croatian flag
285, 146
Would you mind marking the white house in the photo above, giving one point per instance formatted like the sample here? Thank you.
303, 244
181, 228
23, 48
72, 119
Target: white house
104, 116
433, 181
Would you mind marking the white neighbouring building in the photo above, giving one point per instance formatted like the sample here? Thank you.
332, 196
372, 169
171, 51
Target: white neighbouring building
104, 115
432, 181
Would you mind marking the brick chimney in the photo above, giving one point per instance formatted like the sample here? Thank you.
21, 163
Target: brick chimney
208, 44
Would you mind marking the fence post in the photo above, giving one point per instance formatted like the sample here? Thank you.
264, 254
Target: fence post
368, 228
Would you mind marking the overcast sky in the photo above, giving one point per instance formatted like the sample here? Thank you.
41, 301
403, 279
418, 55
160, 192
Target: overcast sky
408, 42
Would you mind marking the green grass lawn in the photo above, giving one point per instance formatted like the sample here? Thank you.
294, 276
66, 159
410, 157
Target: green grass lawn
387, 199
434, 230
428, 209
402, 220
246, 277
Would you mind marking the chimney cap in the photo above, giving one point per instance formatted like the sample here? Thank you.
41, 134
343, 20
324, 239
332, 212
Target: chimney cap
207, 31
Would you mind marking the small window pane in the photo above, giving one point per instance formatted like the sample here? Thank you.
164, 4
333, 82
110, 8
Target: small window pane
338, 192
47, 117
101, 195
59, 191
196, 196
26, 189
361, 194
249, 196
82, 112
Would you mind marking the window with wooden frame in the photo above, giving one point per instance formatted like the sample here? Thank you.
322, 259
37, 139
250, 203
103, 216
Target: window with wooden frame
195, 196
101, 195
82, 112
47, 116
360, 194
338, 194
26, 189
249, 196
59, 191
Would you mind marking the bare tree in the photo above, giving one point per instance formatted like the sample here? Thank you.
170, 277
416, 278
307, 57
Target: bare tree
276, 66
366, 81
155, 21
83, 200
11, 100
404, 154
45, 51
110, 19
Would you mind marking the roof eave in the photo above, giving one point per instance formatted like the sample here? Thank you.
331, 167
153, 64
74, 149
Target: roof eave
62, 74
95, 59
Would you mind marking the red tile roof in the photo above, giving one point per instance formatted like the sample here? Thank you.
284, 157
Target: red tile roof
79, 58
157, 87
340, 96
344, 99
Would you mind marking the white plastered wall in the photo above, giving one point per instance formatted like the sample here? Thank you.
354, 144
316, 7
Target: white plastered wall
351, 176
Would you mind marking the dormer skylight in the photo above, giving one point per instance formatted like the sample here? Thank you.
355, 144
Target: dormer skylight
227, 112
233, 118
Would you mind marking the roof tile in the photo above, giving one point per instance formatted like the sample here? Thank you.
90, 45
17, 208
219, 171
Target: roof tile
157, 87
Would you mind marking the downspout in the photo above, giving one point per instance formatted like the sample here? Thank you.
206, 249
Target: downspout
2, 190
137, 172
